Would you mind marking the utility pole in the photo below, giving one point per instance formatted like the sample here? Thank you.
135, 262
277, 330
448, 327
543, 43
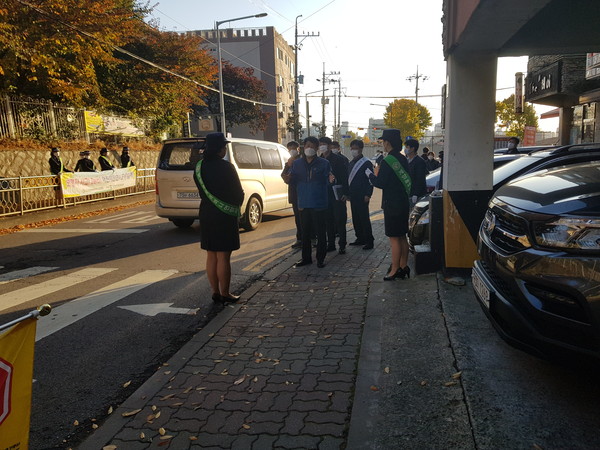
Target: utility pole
416, 78
323, 100
296, 80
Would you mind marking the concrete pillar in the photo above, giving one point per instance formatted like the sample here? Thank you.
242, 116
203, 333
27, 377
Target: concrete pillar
468, 154
564, 125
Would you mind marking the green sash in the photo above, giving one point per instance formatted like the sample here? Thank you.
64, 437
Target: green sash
224, 207
400, 172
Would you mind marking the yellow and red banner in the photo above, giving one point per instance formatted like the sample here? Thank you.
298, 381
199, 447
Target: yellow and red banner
75, 184
16, 376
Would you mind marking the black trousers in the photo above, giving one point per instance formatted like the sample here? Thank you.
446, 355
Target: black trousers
361, 221
313, 222
337, 216
298, 221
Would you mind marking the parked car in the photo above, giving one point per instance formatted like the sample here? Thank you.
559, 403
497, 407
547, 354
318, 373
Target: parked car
418, 222
258, 163
538, 279
527, 149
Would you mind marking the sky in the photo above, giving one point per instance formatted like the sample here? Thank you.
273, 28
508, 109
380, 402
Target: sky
375, 46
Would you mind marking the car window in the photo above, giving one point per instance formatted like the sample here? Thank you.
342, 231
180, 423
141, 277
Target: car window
180, 155
269, 156
245, 156
503, 173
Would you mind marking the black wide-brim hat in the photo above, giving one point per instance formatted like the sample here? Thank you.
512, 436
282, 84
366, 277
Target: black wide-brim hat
391, 135
214, 142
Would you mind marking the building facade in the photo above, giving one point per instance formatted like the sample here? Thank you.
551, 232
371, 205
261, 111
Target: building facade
272, 59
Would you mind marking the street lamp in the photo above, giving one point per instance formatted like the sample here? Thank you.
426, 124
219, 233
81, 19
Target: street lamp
307, 111
221, 96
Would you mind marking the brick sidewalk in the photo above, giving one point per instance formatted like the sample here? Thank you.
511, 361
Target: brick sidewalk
275, 371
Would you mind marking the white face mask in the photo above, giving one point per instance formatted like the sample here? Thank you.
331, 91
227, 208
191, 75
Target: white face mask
322, 149
354, 152
310, 152
385, 154
336, 150
511, 145
430, 157
293, 153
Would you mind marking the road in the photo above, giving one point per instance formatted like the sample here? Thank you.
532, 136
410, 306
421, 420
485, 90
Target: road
127, 289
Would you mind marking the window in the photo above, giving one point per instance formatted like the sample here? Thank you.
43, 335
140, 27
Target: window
270, 157
245, 156
180, 156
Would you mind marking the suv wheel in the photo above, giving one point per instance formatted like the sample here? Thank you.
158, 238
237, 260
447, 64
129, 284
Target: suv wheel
253, 214
183, 223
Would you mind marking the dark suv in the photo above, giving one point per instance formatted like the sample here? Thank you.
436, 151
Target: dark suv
538, 279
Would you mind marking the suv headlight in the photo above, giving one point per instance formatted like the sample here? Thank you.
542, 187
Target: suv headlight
578, 234
424, 219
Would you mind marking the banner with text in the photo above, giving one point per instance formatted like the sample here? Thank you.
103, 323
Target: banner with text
16, 375
75, 184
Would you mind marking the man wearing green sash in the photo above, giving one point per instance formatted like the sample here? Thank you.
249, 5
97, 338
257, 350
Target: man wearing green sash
392, 177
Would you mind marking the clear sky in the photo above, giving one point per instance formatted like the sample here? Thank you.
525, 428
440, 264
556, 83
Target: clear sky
374, 44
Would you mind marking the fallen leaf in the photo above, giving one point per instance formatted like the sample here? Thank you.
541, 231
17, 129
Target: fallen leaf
200, 388
162, 431
231, 341
131, 413
76, 423
537, 447
450, 383
313, 332
255, 379
150, 418
457, 375
188, 390
168, 396
94, 426
157, 415
166, 436
424, 383
386, 370
109, 447
127, 384
177, 404
153, 408
193, 438
110, 410
374, 388
327, 336
246, 426
224, 372
239, 380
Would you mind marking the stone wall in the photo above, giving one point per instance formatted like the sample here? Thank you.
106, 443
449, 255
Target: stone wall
26, 162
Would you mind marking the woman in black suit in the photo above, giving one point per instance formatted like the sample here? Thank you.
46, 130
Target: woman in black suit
221, 196
392, 177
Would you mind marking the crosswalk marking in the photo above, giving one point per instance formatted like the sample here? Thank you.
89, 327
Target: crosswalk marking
81, 307
29, 293
128, 217
87, 230
24, 273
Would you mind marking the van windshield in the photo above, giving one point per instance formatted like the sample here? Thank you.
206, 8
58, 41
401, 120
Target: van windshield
180, 155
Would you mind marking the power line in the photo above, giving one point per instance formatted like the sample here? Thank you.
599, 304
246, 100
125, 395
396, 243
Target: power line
139, 58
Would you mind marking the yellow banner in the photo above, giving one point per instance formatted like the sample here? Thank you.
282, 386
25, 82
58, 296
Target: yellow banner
75, 184
16, 375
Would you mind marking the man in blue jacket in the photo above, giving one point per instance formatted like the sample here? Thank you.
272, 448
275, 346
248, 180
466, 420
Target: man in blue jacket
311, 175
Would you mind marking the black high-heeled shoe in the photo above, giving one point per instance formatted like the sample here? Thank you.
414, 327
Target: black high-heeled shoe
216, 297
399, 274
407, 271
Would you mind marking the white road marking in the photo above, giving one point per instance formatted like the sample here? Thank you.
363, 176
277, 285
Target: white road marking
69, 313
129, 217
24, 273
29, 293
152, 309
87, 230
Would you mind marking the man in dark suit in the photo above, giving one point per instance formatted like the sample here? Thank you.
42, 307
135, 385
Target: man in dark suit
417, 171
360, 190
337, 214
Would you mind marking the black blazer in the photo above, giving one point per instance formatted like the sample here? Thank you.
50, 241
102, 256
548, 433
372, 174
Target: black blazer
360, 186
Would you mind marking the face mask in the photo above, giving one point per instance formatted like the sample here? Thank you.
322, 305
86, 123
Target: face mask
322, 149
310, 152
354, 153
293, 153
336, 150
430, 157
511, 145
385, 154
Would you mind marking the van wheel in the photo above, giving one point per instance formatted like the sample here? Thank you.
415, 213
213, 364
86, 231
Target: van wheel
183, 223
253, 215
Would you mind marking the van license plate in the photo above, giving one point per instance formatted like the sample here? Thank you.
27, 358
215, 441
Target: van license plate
480, 288
190, 195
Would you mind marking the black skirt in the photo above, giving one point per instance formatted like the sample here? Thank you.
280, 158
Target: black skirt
219, 232
395, 222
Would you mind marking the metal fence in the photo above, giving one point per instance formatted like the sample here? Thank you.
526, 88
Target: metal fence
20, 195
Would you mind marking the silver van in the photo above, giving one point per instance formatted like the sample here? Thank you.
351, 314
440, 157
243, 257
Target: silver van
258, 163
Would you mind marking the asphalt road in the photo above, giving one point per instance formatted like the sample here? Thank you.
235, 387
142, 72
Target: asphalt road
128, 289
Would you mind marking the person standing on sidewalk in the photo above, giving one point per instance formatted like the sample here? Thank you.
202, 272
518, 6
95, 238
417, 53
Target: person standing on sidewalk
335, 148
393, 178
417, 169
221, 197
85, 164
105, 164
126, 160
56, 164
360, 192
337, 213
311, 175
293, 148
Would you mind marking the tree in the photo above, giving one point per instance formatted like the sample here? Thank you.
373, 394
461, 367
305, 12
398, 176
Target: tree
239, 81
515, 123
411, 118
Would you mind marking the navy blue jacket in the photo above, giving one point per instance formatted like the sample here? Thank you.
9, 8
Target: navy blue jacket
311, 181
360, 186
339, 168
